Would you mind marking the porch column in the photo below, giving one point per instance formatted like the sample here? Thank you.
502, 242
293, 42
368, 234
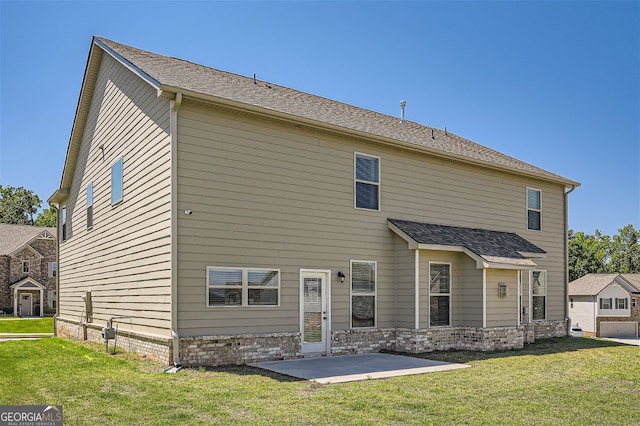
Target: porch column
41, 302
484, 298
15, 302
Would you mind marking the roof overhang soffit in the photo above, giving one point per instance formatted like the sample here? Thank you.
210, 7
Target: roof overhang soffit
482, 262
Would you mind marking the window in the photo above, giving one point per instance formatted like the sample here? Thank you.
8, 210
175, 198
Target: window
52, 299
571, 301
90, 205
26, 266
439, 294
116, 182
622, 303
63, 220
534, 209
363, 294
53, 269
606, 303
633, 302
243, 287
367, 182
539, 293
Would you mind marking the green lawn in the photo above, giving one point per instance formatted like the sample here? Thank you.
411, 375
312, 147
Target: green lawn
558, 381
16, 325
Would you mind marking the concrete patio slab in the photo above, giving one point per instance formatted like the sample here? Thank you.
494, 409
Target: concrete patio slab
348, 368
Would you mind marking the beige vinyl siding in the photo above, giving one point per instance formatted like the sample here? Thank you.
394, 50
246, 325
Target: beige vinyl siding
124, 260
470, 305
502, 311
275, 196
405, 284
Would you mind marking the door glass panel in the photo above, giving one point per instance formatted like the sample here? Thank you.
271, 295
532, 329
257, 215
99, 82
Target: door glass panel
312, 310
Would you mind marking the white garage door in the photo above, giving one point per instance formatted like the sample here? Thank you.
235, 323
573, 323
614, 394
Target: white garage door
619, 329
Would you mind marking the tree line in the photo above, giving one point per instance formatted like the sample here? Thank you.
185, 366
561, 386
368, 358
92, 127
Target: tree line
597, 253
602, 254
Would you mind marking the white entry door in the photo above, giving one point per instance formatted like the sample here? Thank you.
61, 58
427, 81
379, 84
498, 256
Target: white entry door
314, 315
25, 305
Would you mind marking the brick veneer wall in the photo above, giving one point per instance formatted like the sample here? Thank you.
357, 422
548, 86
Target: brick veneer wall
247, 348
6, 299
155, 347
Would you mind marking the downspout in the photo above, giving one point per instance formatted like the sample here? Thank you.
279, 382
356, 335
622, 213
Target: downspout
566, 258
174, 106
417, 289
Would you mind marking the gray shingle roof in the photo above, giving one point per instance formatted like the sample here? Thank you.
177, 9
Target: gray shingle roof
173, 75
12, 237
593, 284
487, 244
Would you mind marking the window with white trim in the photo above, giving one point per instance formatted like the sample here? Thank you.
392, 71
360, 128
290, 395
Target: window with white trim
622, 303
63, 221
243, 286
539, 294
439, 294
90, 205
534, 209
52, 269
367, 181
606, 303
26, 266
363, 293
116, 182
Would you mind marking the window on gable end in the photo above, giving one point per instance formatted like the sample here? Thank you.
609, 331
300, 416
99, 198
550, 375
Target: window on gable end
116, 182
26, 266
90, 205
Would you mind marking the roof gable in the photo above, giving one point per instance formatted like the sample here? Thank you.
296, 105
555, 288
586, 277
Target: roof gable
594, 284
170, 76
15, 237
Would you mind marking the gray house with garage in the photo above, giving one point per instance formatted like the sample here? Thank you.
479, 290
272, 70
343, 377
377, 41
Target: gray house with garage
220, 219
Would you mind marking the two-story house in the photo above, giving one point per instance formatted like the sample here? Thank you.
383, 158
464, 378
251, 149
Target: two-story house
28, 267
217, 219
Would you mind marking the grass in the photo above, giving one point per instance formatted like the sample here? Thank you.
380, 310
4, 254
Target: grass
557, 381
14, 325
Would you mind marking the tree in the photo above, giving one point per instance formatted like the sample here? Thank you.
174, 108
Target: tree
47, 218
587, 254
625, 251
18, 205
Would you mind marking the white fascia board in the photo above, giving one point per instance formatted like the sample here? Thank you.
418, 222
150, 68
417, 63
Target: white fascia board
143, 75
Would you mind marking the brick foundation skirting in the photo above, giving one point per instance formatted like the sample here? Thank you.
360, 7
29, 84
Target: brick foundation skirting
155, 347
246, 348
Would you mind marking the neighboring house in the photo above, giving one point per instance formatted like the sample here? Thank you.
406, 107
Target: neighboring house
606, 305
27, 270
227, 220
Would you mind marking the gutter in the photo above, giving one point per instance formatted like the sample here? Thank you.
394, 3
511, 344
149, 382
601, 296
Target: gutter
566, 257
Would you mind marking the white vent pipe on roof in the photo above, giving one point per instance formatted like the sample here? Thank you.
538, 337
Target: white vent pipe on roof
402, 105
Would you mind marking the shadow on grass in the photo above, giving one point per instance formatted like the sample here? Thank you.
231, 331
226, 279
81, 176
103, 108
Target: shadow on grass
541, 347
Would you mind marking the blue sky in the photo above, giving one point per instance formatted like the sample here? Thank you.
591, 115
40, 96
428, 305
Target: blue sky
555, 84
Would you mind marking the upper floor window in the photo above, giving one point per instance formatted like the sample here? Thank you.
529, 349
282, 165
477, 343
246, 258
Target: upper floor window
367, 182
90, 205
606, 303
53, 269
116, 182
622, 303
26, 266
534, 209
63, 221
